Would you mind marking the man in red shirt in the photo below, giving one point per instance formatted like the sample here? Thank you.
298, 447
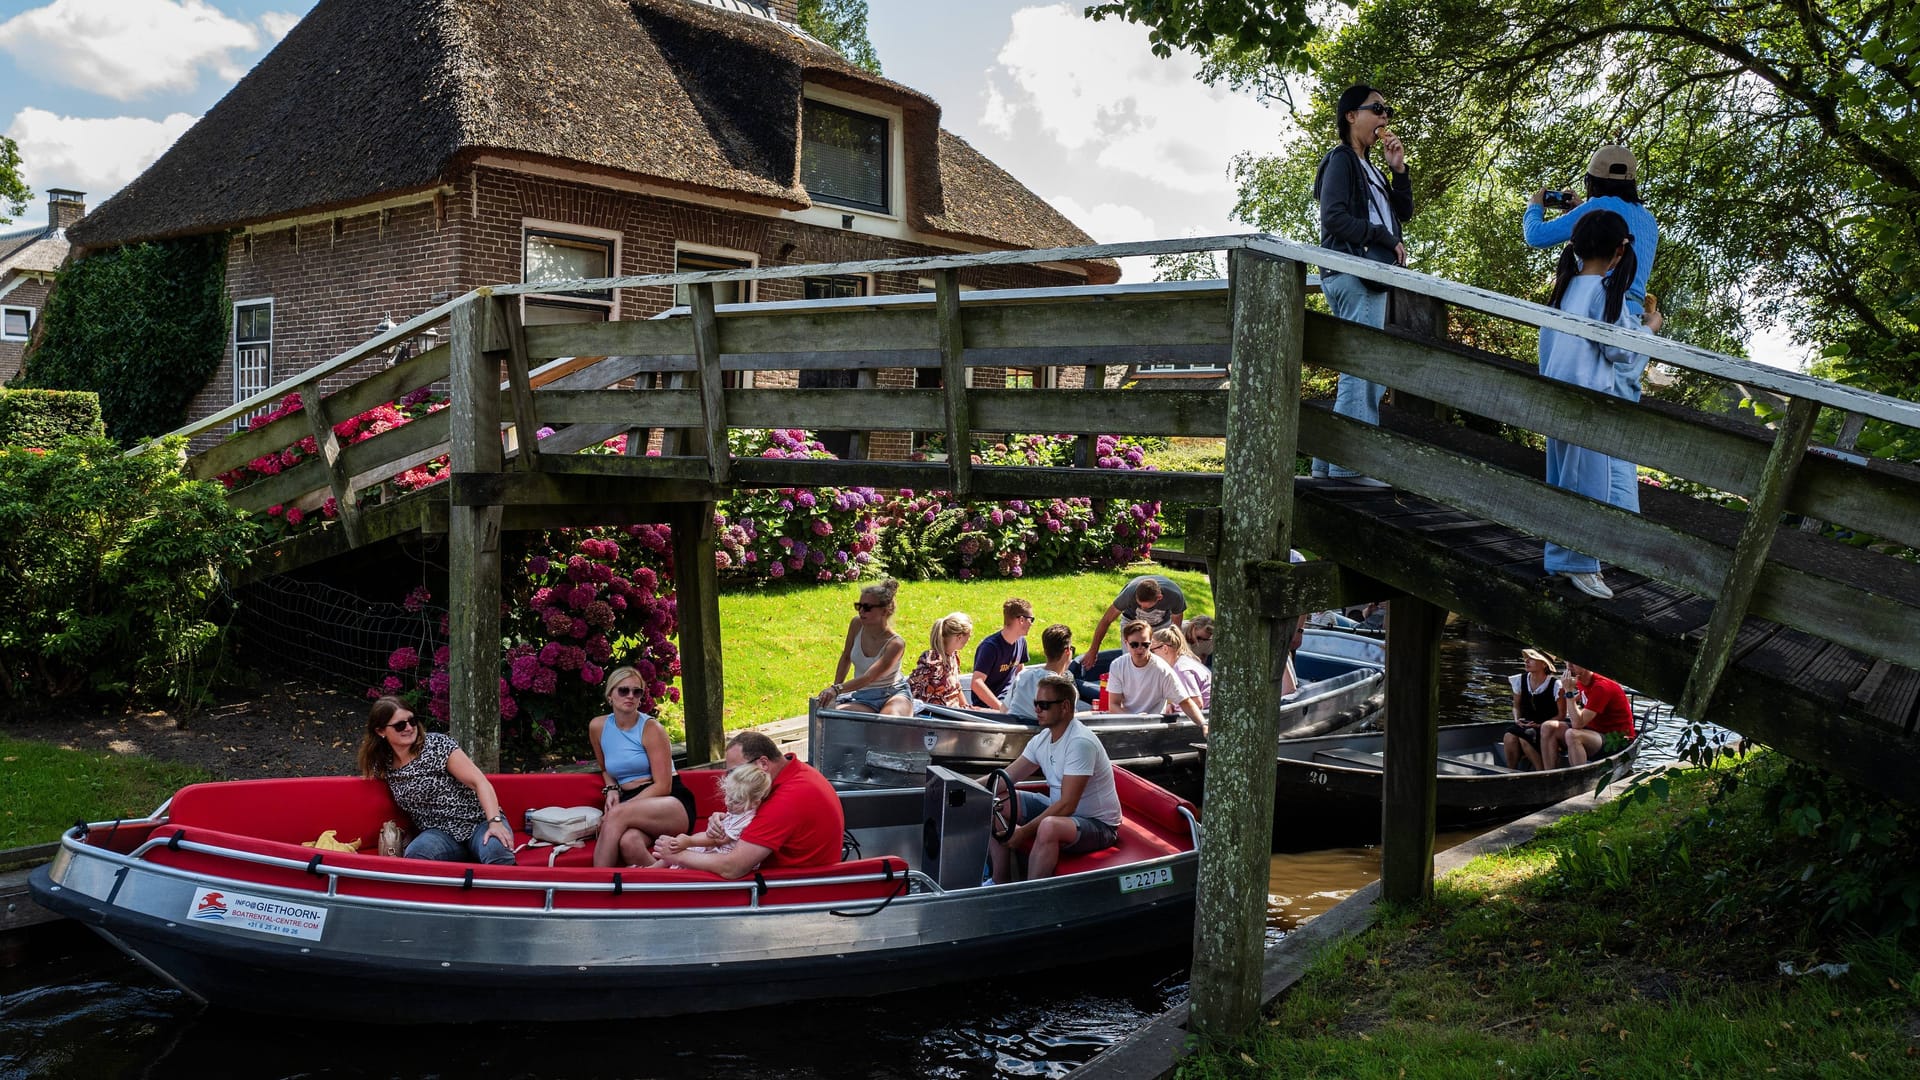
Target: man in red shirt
1600, 707
799, 825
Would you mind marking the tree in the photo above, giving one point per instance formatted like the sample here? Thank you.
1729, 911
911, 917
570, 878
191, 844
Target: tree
841, 24
14, 192
1275, 33
1777, 145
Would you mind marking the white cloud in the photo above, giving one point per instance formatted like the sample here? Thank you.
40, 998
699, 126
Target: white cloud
1107, 223
1096, 88
277, 23
95, 155
125, 49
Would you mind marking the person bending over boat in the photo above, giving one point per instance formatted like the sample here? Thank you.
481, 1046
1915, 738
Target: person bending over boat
1000, 656
1080, 812
1536, 700
644, 797
800, 825
1170, 644
1596, 707
744, 788
1150, 598
454, 811
1142, 682
873, 652
1057, 642
1199, 631
936, 678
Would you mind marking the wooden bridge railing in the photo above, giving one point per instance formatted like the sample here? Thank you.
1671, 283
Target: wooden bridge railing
1258, 326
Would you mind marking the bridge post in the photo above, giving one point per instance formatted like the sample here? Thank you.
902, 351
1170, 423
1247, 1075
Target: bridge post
696, 591
953, 373
1409, 787
473, 542
1229, 933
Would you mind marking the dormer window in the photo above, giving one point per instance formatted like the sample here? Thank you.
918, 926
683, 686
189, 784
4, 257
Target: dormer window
844, 157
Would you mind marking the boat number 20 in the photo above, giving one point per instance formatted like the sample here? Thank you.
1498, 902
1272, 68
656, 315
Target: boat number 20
1146, 879
1316, 776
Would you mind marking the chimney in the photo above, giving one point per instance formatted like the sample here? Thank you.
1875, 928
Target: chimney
65, 207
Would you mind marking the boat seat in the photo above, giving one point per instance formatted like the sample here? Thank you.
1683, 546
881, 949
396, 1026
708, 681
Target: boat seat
1475, 766
1346, 756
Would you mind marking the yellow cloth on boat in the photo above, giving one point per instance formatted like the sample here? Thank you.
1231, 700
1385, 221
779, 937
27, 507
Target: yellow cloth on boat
329, 841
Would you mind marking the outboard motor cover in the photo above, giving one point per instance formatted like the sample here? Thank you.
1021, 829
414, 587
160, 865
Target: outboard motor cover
955, 829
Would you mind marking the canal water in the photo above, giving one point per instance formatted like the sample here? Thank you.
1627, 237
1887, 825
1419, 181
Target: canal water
83, 1012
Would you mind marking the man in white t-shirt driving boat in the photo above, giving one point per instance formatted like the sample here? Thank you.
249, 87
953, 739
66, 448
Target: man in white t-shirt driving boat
1081, 811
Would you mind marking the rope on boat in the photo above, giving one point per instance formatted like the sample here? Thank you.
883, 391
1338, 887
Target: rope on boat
467, 884
759, 884
313, 864
899, 889
174, 844
618, 885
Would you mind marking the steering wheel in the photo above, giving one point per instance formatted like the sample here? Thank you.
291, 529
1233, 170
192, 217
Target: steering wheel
1005, 818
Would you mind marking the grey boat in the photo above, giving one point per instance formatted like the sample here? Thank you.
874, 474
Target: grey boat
1343, 684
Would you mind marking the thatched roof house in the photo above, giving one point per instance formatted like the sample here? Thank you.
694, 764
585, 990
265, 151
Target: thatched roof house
367, 99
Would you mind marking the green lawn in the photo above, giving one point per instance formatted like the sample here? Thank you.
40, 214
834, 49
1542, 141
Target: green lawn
48, 788
781, 645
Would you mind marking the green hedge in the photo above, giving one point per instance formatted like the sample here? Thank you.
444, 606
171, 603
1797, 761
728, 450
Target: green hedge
143, 326
44, 417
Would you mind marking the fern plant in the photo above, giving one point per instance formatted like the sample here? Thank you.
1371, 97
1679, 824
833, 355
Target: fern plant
916, 551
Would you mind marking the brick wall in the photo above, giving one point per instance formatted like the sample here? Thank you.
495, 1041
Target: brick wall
333, 282
31, 293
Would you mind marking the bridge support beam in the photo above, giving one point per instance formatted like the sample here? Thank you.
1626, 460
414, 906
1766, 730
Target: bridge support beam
473, 543
1409, 788
1256, 523
696, 590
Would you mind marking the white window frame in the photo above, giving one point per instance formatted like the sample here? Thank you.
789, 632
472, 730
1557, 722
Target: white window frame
868, 280
33, 319
749, 289
830, 214
242, 390
1180, 369
611, 306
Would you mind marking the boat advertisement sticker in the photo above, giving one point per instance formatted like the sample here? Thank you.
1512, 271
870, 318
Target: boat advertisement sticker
257, 913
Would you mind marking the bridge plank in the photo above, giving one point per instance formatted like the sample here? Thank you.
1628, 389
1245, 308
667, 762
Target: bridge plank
1835, 670
1891, 693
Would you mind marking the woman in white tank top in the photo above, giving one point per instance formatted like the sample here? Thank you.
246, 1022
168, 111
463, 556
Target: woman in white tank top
872, 652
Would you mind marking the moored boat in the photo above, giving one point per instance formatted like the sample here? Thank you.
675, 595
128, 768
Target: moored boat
215, 893
1342, 686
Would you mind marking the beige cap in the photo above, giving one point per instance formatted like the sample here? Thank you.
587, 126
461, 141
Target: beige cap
1612, 162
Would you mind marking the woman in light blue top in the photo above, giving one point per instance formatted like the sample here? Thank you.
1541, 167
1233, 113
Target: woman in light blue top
644, 797
1611, 186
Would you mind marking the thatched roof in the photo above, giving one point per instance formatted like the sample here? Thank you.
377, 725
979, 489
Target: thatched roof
34, 251
367, 99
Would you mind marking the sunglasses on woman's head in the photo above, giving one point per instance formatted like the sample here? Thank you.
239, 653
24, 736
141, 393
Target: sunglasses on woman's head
627, 691
400, 725
1378, 108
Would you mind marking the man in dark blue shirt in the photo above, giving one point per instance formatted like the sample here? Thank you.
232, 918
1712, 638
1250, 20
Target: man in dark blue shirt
999, 657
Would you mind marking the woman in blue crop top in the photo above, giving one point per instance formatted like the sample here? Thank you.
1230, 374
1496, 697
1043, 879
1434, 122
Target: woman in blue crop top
645, 797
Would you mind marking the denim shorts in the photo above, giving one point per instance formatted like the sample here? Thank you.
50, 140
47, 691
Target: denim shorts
876, 697
1095, 835
439, 844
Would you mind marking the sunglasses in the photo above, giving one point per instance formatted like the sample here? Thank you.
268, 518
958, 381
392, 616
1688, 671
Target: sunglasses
1049, 703
1136, 644
400, 725
863, 607
1378, 109
627, 691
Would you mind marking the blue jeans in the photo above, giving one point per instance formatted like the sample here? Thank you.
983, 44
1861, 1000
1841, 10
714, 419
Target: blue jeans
439, 844
1353, 301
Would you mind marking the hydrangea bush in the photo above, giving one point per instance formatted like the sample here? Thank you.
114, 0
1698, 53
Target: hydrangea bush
794, 534
578, 603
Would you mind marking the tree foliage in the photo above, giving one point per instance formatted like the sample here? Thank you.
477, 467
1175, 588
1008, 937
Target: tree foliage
841, 24
143, 326
14, 192
1777, 145
1275, 33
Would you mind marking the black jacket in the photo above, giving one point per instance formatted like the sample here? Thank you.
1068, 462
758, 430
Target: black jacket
1340, 186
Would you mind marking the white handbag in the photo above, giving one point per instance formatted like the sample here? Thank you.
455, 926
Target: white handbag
563, 824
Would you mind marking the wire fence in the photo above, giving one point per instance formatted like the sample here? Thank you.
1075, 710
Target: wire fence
330, 635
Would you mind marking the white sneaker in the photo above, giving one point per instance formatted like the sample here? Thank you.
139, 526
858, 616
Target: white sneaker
1591, 584
1365, 481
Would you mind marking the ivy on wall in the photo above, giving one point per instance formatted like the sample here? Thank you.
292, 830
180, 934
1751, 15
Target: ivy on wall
143, 326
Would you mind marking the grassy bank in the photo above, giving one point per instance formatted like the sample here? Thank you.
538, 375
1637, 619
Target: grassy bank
48, 788
1635, 941
781, 645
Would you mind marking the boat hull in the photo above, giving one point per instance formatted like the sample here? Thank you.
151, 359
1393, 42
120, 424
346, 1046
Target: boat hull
358, 937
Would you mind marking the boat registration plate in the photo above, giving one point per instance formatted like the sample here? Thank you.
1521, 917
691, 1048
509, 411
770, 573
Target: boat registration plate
217, 907
1146, 879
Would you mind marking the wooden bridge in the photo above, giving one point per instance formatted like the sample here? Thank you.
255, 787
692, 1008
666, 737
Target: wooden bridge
1809, 645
